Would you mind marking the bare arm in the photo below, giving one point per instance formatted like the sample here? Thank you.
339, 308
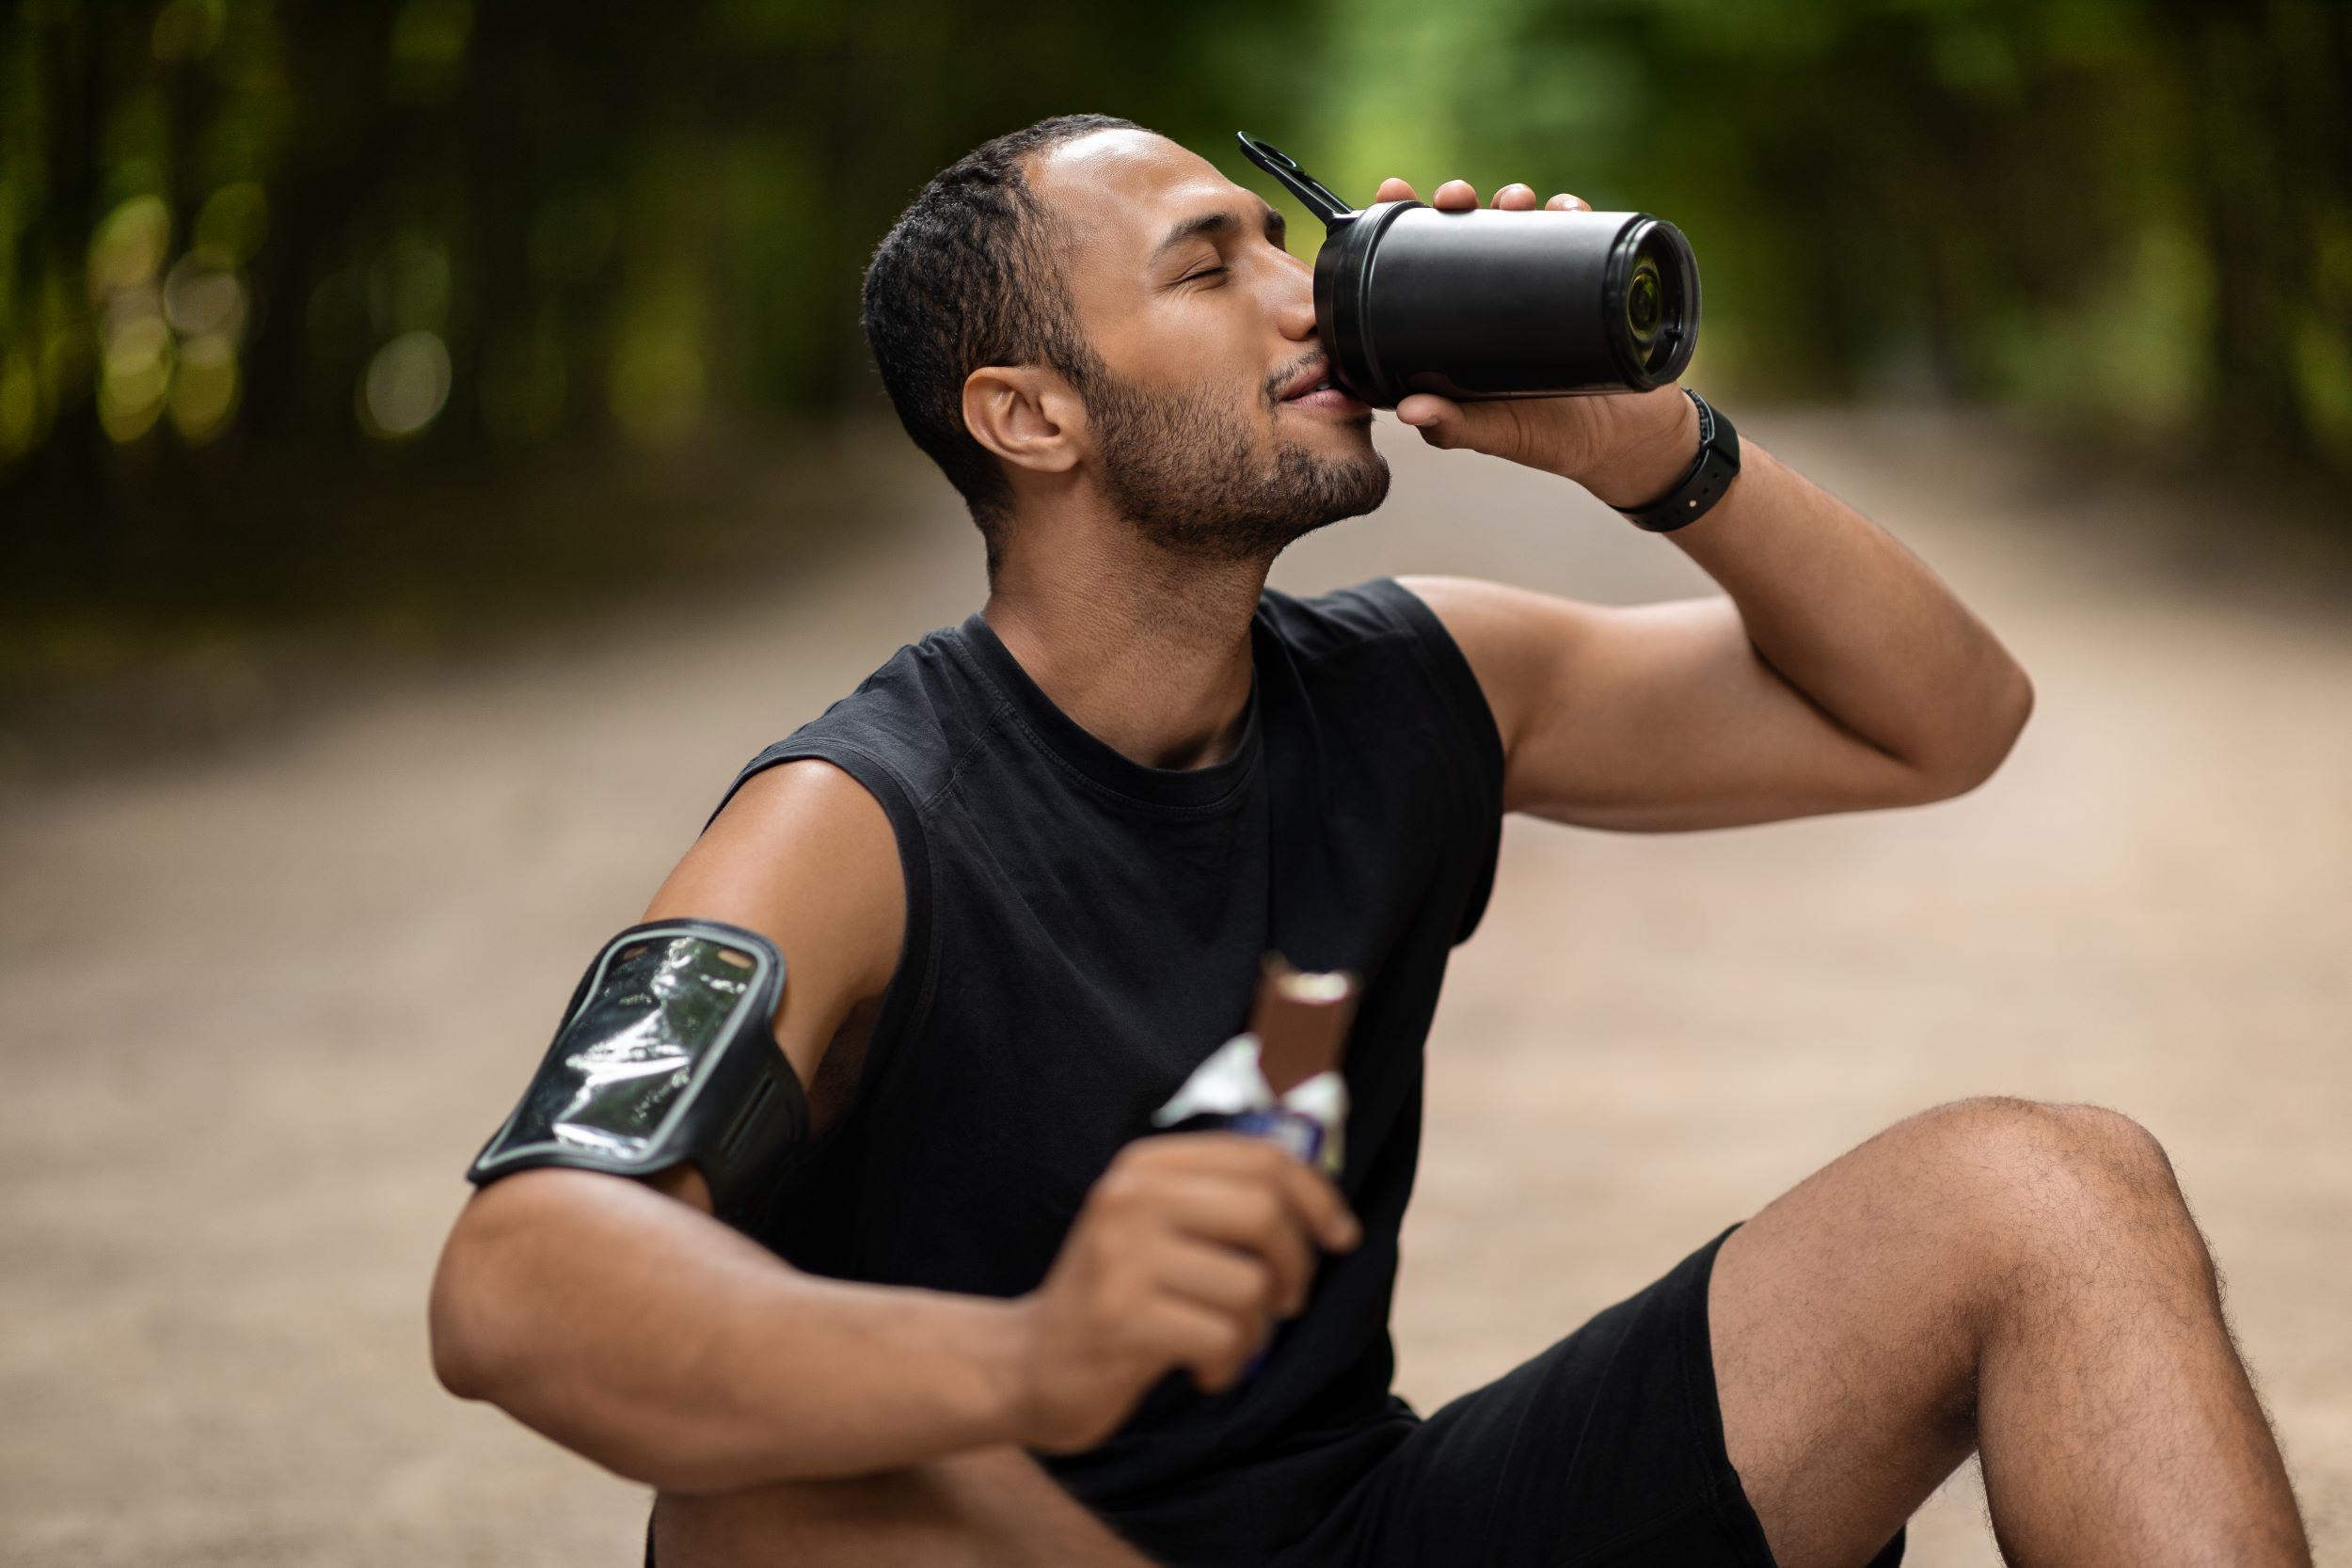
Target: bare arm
622, 1321
1846, 615
1836, 672
634, 1328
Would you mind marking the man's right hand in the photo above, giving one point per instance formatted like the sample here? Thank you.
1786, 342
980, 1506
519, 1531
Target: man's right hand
1187, 1249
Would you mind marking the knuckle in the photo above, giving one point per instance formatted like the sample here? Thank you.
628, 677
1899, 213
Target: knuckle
1145, 1155
1121, 1191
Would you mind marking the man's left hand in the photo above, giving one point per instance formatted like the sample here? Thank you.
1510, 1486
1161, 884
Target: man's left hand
1626, 447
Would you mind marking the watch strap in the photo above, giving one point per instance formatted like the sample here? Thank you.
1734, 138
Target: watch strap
1710, 475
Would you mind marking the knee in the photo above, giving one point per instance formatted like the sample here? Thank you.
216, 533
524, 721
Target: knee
2040, 1176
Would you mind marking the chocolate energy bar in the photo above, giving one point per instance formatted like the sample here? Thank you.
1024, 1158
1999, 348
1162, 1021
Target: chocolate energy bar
1279, 1078
1301, 1022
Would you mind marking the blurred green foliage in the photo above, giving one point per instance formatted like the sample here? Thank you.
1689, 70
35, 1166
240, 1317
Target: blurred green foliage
257, 255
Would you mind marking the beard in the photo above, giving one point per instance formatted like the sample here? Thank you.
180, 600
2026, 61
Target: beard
1191, 473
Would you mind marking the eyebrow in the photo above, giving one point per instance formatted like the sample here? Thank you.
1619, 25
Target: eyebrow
1207, 226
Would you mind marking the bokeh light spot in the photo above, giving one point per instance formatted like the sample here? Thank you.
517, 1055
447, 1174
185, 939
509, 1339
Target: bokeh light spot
204, 387
202, 298
130, 245
134, 373
404, 387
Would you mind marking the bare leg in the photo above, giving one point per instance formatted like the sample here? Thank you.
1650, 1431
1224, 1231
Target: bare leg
989, 1509
2019, 1278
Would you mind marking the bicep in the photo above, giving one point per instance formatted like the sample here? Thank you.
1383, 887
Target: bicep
806, 857
1653, 718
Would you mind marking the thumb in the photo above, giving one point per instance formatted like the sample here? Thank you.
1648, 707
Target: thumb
1439, 420
1444, 424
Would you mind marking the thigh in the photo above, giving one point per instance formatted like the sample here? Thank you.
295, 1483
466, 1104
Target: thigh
1846, 1321
995, 1507
1604, 1449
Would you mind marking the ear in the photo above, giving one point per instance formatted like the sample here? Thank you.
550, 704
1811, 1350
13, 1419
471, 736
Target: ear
1027, 415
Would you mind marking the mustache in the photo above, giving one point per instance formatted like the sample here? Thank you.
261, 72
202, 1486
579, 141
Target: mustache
1283, 377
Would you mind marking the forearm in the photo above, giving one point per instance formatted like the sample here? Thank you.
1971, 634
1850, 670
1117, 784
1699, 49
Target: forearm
1865, 628
645, 1334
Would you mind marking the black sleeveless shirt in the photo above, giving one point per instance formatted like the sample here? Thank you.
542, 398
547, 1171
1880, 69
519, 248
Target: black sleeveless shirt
1082, 931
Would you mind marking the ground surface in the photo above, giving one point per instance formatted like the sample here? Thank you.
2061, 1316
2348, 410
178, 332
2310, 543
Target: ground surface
261, 1009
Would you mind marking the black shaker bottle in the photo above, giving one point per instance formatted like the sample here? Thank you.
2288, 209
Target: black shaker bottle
1481, 305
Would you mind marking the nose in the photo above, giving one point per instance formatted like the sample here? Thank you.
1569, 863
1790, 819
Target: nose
1295, 311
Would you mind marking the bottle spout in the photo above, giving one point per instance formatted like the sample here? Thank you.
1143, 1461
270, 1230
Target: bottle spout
1318, 197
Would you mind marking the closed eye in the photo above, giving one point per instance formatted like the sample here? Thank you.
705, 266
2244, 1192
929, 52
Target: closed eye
1204, 272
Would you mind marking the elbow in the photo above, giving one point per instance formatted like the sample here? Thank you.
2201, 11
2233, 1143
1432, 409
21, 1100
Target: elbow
461, 1314
501, 1330
458, 1358
1991, 741
2010, 710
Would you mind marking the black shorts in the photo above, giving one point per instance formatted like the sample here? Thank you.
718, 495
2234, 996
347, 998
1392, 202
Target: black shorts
1606, 1449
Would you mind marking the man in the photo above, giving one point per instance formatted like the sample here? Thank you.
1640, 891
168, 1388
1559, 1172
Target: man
1022, 879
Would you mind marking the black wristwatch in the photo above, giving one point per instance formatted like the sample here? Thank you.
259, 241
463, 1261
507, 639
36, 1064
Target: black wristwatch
1718, 465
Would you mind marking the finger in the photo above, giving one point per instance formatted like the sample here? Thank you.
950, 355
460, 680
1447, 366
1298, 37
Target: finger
1317, 1202
1426, 410
1252, 1216
1215, 1150
1237, 1157
1176, 1333
1394, 189
1221, 1276
1564, 203
1456, 196
1516, 199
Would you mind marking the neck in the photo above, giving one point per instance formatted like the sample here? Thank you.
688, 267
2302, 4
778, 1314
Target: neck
1147, 651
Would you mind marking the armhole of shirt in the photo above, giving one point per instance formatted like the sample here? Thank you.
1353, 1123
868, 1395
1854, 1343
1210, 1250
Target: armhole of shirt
907, 995
1475, 726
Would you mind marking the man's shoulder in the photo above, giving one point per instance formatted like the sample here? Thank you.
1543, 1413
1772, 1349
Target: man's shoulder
899, 731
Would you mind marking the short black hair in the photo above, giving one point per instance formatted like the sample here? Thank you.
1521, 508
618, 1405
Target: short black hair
966, 279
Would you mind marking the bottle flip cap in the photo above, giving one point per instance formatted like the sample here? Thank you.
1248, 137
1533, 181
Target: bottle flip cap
1313, 192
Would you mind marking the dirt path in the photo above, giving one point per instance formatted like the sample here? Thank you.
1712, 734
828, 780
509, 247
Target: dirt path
261, 1010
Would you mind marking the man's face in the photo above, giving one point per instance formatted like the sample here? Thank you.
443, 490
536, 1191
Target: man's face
1204, 418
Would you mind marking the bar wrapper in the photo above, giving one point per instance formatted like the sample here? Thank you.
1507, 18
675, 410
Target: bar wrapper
1230, 1091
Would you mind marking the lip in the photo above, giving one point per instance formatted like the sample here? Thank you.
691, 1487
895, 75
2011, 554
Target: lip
1330, 398
1301, 391
1299, 385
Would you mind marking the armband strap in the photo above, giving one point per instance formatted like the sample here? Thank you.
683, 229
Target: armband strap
667, 1054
